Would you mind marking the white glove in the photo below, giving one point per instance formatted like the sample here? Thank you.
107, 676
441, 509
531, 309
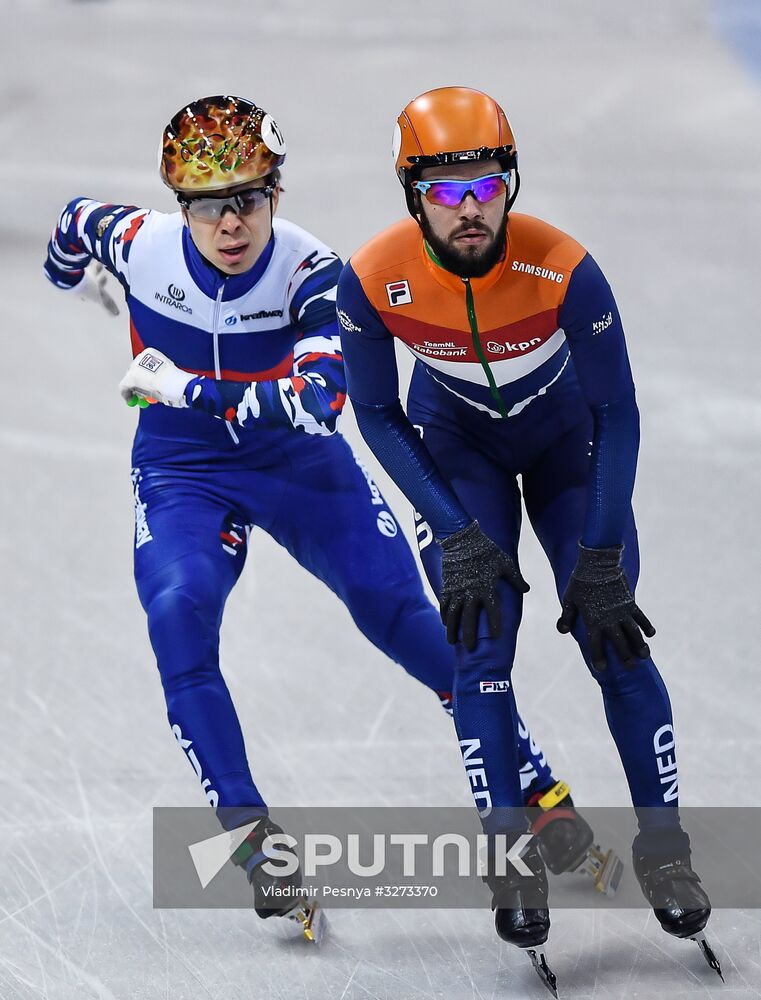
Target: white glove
92, 287
154, 377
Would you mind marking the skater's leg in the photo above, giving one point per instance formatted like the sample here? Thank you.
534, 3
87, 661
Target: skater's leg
637, 706
352, 542
535, 771
188, 556
484, 705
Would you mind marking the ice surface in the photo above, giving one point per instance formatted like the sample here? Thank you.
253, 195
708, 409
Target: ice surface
638, 133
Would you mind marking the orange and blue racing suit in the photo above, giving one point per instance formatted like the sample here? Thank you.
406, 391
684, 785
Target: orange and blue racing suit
521, 374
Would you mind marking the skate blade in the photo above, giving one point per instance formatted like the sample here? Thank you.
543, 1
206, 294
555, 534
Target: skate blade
310, 917
542, 969
708, 954
605, 868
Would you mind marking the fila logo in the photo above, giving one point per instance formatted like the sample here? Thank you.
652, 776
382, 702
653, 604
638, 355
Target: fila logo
399, 293
494, 687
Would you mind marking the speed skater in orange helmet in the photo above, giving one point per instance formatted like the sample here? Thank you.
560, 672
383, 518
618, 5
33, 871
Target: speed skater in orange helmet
521, 397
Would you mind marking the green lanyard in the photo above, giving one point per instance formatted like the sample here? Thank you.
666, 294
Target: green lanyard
470, 307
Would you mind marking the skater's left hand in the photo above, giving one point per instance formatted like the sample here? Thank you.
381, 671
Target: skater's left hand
154, 377
93, 287
599, 591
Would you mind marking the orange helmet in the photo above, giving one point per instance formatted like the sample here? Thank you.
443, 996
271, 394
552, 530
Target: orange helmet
451, 125
219, 142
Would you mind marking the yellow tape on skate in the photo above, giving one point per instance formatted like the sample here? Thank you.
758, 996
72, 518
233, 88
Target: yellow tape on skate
556, 794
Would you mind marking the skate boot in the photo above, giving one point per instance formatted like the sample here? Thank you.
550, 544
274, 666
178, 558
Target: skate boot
566, 841
662, 864
277, 888
519, 900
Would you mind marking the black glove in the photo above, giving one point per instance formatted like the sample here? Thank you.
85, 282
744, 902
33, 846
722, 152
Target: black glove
599, 590
471, 564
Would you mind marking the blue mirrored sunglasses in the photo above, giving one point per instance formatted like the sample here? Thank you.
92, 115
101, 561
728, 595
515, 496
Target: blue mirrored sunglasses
450, 192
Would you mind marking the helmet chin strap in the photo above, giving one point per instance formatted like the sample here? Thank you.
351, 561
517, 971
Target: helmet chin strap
514, 195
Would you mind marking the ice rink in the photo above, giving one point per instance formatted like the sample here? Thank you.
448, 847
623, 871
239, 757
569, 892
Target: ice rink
639, 132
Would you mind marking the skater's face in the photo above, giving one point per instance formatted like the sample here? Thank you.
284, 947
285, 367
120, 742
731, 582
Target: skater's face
234, 241
468, 238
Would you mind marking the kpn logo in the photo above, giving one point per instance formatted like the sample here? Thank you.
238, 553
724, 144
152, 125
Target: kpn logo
211, 855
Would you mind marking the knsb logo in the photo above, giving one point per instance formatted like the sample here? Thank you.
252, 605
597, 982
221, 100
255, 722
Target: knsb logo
494, 687
495, 348
176, 293
399, 293
601, 325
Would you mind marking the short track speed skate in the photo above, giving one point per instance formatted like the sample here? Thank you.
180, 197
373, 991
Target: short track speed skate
278, 895
566, 840
673, 889
521, 916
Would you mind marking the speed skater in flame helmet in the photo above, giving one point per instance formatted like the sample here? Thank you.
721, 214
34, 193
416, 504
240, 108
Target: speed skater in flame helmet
452, 125
219, 142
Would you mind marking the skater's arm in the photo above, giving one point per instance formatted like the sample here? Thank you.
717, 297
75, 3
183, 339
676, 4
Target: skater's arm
90, 230
312, 398
589, 316
373, 386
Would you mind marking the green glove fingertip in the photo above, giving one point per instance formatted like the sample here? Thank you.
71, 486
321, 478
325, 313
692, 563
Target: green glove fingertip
132, 401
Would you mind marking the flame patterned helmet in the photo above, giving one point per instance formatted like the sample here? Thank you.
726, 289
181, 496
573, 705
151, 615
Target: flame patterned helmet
219, 142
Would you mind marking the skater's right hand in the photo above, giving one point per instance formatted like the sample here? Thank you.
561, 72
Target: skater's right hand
471, 566
154, 377
92, 288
